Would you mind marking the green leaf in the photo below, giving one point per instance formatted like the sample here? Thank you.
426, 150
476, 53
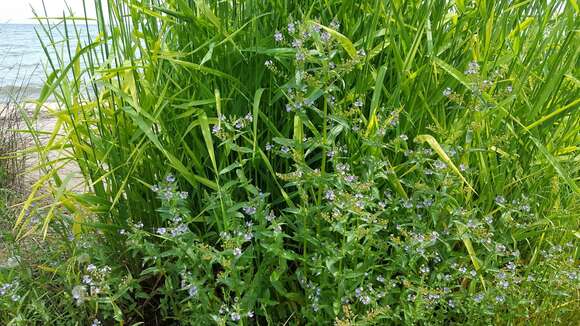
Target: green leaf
343, 40
459, 76
256, 115
439, 150
204, 124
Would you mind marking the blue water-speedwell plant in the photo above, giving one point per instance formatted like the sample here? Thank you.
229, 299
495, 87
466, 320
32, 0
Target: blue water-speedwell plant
323, 170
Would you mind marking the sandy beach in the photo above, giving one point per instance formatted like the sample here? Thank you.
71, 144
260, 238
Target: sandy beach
30, 154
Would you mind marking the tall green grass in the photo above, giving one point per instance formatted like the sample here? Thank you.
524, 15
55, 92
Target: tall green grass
138, 101
156, 68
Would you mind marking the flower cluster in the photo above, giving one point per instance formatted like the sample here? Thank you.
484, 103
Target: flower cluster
174, 208
94, 282
11, 290
232, 313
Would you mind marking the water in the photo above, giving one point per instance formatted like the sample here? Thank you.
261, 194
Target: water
22, 58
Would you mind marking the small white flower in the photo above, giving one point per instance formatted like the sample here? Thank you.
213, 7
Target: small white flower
365, 299
78, 294
278, 37
471, 224
91, 268
271, 216
500, 200
335, 24
424, 269
488, 219
300, 56
525, 208
296, 43
87, 280
237, 252
250, 210
440, 165
161, 231
350, 178
473, 68
329, 195
235, 316
95, 290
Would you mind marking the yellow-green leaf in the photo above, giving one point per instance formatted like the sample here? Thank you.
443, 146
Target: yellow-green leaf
439, 150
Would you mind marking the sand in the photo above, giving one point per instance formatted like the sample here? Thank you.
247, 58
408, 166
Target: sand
45, 123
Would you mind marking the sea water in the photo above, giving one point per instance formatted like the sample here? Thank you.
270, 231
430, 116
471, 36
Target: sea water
23, 61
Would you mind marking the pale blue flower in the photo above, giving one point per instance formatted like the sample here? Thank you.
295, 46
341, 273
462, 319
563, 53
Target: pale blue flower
329, 195
278, 37
500, 200
250, 210
192, 291
300, 56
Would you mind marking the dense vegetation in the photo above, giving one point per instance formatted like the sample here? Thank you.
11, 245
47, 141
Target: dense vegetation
306, 162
